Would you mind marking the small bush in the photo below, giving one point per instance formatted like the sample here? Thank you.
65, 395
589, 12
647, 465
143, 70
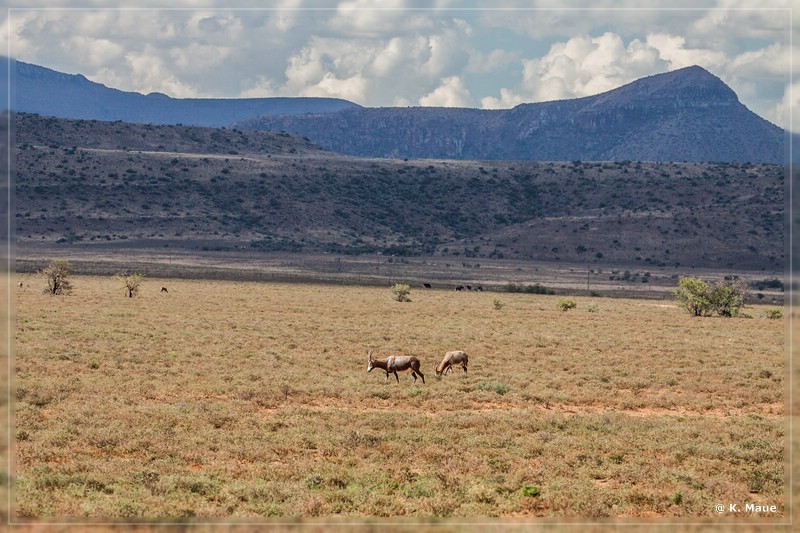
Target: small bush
56, 274
401, 292
773, 314
566, 305
499, 388
497, 304
131, 283
531, 491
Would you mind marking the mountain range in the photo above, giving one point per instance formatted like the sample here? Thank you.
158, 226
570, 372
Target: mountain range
684, 115
48, 92
668, 172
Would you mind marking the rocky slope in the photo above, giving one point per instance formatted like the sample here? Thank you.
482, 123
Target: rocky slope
118, 186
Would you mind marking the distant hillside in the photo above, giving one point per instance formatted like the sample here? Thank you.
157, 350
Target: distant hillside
47, 92
117, 186
685, 115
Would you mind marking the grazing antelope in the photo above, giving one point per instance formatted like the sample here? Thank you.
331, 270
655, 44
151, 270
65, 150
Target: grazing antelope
164, 289
452, 358
394, 363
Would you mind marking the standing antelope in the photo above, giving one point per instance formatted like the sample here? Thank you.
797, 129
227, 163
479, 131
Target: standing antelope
450, 359
395, 363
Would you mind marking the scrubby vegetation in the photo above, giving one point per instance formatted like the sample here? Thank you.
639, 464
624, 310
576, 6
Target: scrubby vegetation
529, 289
233, 400
186, 188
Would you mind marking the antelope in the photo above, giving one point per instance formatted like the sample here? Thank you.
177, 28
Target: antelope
394, 363
164, 289
450, 359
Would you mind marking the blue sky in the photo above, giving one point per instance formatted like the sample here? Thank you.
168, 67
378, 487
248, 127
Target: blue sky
484, 54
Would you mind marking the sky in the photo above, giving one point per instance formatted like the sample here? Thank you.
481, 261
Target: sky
486, 54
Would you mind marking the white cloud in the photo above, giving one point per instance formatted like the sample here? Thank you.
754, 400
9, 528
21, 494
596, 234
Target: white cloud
22, 33
496, 60
396, 52
154, 75
446, 54
450, 93
787, 111
772, 60
354, 88
374, 71
198, 58
393, 53
581, 66
508, 99
96, 52
262, 87
326, 59
673, 49
379, 18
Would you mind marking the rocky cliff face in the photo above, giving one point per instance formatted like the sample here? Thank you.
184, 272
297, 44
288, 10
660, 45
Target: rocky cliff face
686, 115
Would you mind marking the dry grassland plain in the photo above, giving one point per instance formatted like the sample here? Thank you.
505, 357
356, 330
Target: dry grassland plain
242, 400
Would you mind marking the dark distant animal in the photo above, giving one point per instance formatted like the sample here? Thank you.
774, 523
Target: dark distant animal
460, 288
394, 363
480, 288
426, 285
164, 289
20, 284
469, 287
452, 358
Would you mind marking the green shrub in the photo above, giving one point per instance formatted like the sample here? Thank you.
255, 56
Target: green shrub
700, 298
499, 388
728, 297
497, 304
566, 305
401, 292
692, 294
528, 289
773, 314
131, 283
531, 491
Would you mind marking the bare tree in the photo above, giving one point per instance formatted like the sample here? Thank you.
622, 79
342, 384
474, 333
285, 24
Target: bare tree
56, 274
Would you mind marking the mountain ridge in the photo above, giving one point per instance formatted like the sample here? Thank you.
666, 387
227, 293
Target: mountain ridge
683, 115
48, 92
